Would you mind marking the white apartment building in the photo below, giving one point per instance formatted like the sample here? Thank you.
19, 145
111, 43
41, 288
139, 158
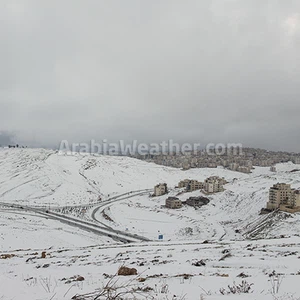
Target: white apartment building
160, 189
173, 203
283, 197
214, 184
184, 183
195, 185
279, 193
191, 185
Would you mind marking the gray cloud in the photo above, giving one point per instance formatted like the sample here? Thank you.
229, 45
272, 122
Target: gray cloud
6, 138
203, 71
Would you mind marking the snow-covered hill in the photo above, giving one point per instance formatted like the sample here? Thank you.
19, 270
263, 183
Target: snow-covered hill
44, 177
40, 177
186, 266
231, 215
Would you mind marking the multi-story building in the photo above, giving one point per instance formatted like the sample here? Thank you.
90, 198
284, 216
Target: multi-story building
279, 193
195, 185
233, 166
160, 189
184, 183
283, 197
244, 169
296, 160
214, 184
295, 200
173, 203
191, 185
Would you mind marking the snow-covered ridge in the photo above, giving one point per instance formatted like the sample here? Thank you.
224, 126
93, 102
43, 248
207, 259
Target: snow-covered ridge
44, 177
190, 264
39, 176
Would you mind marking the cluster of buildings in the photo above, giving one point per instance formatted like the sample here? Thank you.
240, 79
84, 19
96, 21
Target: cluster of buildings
213, 184
241, 161
191, 185
284, 198
174, 203
245, 168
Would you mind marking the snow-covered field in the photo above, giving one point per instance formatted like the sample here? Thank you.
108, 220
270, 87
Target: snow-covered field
230, 215
22, 230
230, 223
186, 270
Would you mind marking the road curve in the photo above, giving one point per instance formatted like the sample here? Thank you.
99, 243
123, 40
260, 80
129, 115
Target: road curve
103, 230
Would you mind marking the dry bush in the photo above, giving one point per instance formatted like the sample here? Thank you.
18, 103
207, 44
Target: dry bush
113, 290
242, 288
276, 281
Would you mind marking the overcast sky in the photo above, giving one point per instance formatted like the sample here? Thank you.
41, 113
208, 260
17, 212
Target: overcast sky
192, 71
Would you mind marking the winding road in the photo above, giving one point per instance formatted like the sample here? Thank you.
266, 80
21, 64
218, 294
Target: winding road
100, 228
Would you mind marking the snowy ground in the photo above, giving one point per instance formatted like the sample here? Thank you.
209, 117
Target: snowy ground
23, 230
45, 178
230, 215
168, 267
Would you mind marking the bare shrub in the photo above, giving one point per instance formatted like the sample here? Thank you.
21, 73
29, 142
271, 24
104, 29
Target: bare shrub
162, 289
113, 290
242, 288
48, 284
275, 281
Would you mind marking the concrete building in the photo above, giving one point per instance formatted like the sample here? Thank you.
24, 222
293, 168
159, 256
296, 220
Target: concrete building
173, 203
214, 184
195, 185
197, 201
191, 185
238, 168
279, 193
244, 169
184, 183
296, 160
160, 189
233, 166
284, 198
295, 200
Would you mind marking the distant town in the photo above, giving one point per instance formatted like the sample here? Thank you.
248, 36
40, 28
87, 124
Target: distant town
240, 162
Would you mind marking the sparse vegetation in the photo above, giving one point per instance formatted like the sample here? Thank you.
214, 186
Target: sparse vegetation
242, 288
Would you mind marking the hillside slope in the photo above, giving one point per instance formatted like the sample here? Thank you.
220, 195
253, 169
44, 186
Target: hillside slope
44, 177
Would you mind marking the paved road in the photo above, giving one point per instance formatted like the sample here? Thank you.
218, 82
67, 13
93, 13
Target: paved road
116, 199
103, 230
